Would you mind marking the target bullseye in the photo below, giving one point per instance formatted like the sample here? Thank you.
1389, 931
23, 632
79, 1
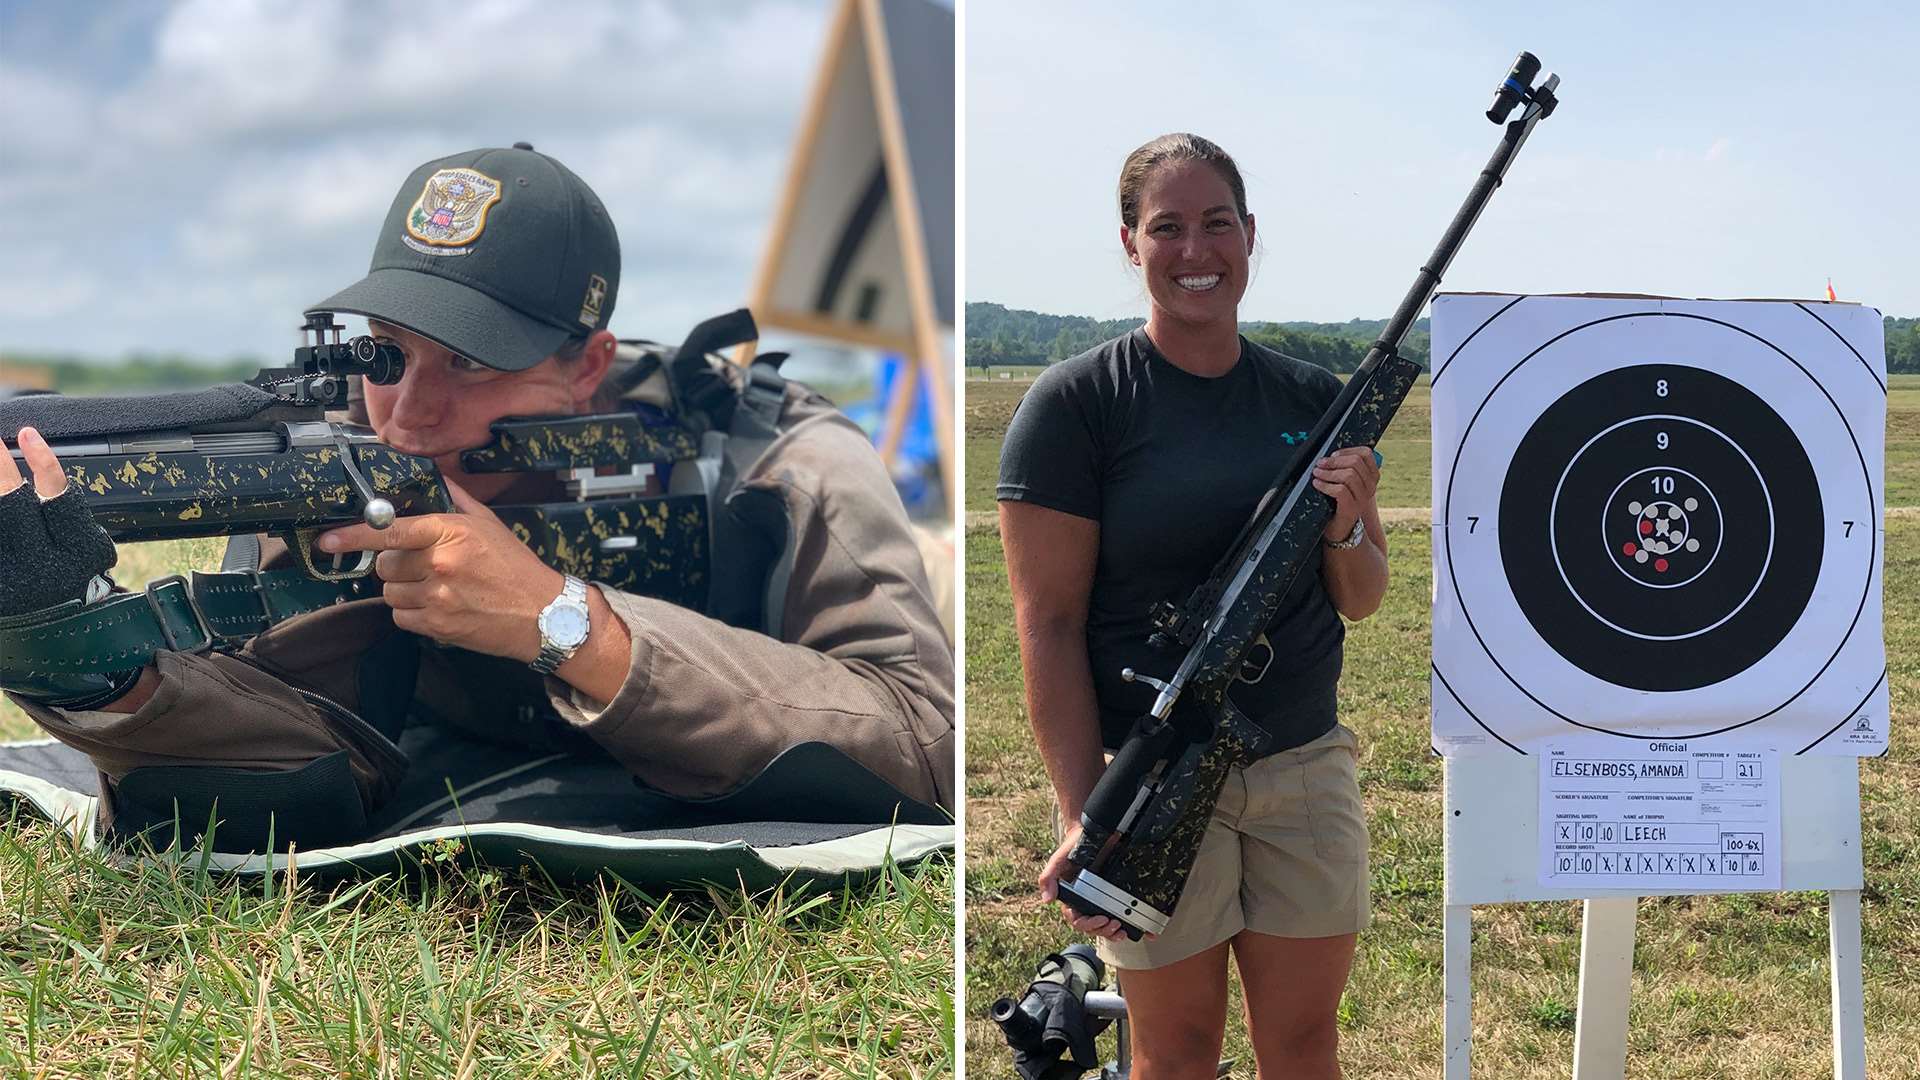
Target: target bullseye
1684, 511
1667, 524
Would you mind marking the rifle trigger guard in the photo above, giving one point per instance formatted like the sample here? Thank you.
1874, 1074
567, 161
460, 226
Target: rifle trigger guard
301, 544
1250, 670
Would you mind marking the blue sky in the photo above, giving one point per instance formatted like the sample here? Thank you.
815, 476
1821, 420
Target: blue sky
188, 176
1712, 150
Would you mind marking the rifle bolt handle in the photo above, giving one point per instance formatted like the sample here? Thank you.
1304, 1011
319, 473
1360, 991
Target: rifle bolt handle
379, 513
1130, 675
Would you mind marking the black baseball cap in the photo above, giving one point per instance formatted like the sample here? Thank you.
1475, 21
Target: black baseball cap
500, 255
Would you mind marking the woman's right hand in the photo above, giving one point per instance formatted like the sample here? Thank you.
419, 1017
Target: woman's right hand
1096, 925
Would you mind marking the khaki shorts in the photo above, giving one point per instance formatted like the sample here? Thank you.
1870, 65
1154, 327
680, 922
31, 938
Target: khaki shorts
1286, 855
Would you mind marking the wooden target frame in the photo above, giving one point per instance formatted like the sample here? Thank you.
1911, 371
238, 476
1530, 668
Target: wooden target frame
862, 245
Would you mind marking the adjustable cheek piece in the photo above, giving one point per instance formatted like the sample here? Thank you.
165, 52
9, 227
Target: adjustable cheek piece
641, 514
621, 529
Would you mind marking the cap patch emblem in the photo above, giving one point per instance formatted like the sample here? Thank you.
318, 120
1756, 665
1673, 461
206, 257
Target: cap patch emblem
451, 211
596, 296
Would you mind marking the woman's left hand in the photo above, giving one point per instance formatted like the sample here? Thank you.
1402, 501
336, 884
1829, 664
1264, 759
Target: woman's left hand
461, 579
1351, 478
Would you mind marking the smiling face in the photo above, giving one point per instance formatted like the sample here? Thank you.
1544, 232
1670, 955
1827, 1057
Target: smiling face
445, 402
1191, 244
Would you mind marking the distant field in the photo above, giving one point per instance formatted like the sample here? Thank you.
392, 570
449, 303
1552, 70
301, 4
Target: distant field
1004, 371
1405, 478
1724, 987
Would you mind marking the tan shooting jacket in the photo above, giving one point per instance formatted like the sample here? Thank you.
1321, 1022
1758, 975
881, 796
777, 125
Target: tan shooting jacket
861, 663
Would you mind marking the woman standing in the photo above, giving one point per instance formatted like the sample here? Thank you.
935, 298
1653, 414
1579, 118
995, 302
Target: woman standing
1127, 471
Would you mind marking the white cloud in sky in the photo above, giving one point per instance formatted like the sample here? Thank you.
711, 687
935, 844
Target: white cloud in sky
191, 181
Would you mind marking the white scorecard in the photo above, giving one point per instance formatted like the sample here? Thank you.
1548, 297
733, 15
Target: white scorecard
1658, 815
1657, 518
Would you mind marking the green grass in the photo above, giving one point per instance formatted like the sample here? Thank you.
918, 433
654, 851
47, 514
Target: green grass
122, 968
1903, 440
151, 969
1724, 987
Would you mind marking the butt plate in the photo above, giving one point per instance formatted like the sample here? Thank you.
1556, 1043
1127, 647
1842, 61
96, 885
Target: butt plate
1089, 894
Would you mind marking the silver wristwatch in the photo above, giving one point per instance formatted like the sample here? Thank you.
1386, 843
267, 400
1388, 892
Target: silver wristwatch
1353, 539
563, 626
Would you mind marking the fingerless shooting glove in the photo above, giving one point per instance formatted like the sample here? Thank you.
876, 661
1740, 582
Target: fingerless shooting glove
50, 553
49, 550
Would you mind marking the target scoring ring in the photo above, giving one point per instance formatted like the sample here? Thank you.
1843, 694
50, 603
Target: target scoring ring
1738, 595
1651, 540
1810, 644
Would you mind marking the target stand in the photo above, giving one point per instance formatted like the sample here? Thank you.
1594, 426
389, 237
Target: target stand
1654, 519
1492, 819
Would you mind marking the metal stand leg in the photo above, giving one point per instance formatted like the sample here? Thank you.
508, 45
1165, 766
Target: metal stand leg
1457, 952
1109, 1003
1849, 996
1606, 981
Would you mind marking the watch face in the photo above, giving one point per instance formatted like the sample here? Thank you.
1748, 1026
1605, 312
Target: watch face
565, 626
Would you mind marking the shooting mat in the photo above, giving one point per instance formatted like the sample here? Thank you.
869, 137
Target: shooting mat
1657, 518
575, 815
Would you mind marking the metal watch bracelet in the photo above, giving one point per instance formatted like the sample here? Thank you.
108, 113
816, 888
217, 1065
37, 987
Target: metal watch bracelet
1353, 539
554, 653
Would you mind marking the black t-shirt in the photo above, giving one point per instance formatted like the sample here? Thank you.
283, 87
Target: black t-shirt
1171, 465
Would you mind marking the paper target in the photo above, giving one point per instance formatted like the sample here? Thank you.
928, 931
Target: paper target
1657, 518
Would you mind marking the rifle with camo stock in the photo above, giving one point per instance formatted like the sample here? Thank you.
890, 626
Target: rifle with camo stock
266, 456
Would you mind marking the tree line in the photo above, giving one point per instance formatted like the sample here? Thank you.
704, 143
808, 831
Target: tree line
998, 335
1903, 345
137, 373
1001, 336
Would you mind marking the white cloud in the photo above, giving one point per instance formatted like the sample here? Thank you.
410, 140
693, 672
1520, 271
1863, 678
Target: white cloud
49, 116
230, 161
227, 70
32, 286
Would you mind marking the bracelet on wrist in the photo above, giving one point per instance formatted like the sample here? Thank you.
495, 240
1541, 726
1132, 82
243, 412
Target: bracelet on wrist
1353, 539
